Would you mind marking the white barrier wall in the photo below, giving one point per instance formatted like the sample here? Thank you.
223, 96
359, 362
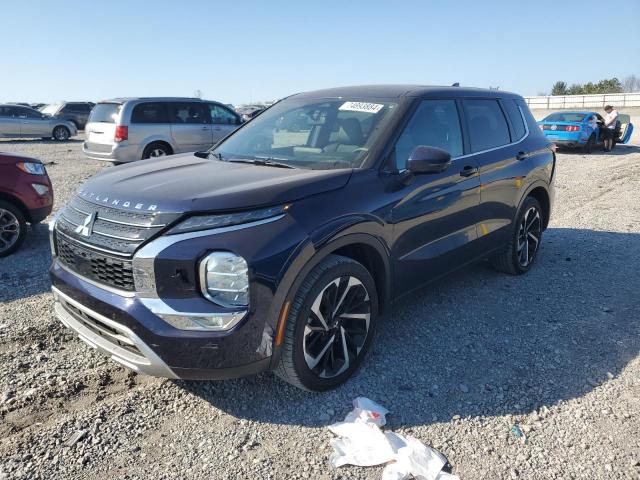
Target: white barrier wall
619, 100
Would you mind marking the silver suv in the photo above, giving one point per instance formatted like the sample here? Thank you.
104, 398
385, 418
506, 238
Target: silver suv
128, 129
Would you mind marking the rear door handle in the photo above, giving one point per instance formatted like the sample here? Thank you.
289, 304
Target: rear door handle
521, 156
205, 128
468, 170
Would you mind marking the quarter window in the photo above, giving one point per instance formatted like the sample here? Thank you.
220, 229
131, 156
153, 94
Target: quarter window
435, 123
513, 112
487, 125
149, 113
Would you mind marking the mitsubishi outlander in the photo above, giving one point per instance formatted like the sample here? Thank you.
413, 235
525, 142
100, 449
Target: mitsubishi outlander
280, 247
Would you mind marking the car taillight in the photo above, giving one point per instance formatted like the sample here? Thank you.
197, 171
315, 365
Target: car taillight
122, 133
572, 128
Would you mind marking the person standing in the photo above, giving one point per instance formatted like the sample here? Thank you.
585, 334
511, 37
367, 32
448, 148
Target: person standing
609, 130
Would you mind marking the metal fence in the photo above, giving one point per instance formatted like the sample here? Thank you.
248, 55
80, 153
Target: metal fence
584, 101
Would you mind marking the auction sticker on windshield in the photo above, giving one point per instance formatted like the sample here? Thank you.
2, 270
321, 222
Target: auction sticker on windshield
361, 107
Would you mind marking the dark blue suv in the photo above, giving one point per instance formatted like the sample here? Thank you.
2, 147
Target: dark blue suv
280, 247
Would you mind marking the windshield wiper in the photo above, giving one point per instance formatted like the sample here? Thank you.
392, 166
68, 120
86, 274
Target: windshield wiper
265, 162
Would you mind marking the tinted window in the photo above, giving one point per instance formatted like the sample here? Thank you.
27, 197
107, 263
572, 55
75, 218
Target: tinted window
220, 114
513, 112
105, 113
188, 112
4, 112
531, 122
565, 117
29, 113
435, 123
487, 125
149, 113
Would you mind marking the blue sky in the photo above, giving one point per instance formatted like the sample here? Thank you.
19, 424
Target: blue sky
247, 50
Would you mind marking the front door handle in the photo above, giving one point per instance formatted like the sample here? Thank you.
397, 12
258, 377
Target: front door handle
521, 156
205, 128
468, 170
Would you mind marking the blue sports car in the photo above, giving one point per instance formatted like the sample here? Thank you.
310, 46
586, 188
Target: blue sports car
582, 129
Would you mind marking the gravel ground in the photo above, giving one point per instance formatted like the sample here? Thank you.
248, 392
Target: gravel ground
458, 364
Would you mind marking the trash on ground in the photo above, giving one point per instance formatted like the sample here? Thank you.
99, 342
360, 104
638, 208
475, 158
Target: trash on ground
362, 443
517, 431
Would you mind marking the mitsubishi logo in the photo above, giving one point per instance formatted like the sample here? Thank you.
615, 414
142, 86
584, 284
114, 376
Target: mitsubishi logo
87, 226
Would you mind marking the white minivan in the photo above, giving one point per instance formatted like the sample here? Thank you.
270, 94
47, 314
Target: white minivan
128, 129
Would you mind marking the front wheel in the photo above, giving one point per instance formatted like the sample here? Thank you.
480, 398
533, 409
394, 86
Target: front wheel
13, 228
330, 325
518, 256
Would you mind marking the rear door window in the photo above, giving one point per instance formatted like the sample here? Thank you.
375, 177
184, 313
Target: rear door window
513, 112
487, 124
189, 112
105, 113
435, 123
150, 112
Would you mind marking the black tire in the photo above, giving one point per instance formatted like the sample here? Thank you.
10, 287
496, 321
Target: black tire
155, 150
11, 238
510, 258
319, 288
590, 145
61, 133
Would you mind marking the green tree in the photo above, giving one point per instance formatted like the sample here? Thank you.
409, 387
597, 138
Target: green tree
559, 88
575, 89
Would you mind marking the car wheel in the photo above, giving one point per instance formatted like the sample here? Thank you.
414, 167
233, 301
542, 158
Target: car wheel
61, 133
590, 145
518, 256
13, 228
330, 325
155, 150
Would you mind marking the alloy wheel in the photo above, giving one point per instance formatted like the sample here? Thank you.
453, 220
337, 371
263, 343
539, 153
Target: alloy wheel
337, 327
60, 134
9, 230
529, 234
157, 152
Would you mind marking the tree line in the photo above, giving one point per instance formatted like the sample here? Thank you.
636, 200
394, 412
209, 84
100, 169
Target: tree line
609, 85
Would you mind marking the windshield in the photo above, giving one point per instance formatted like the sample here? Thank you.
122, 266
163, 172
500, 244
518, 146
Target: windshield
565, 117
311, 133
50, 109
105, 113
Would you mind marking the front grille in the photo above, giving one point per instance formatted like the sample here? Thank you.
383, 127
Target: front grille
112, 271
97, 147
98, 327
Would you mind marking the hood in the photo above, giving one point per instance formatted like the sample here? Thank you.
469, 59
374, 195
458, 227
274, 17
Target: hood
7, 158
186, 183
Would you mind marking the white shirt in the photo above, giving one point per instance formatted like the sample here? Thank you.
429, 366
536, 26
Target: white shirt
610, 119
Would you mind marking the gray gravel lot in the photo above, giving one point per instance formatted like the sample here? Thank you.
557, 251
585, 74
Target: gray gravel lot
458, 364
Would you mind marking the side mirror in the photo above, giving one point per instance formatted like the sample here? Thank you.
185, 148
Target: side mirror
424, 159
204, 154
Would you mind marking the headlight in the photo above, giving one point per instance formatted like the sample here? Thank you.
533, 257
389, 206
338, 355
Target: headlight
224, 279
32, 168
205, 222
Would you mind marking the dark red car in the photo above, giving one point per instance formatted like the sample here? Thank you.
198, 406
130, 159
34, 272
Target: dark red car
26, 196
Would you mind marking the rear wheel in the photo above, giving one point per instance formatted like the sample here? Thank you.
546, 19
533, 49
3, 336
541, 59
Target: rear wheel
13, 228
518, 256
61, 133
155, 150
330, 325
590, 145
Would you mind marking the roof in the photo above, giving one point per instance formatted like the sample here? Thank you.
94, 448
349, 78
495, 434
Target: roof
396, 91
153, 99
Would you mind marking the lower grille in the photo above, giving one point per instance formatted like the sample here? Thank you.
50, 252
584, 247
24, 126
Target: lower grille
98, 327
111, 271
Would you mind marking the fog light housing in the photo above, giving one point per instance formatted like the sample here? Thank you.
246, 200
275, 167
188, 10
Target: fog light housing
224, 279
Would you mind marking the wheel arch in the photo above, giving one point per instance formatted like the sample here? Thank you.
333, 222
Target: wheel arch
18, 203
540, 192
161, 140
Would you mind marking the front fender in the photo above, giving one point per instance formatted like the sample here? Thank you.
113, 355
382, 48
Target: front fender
348, 230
